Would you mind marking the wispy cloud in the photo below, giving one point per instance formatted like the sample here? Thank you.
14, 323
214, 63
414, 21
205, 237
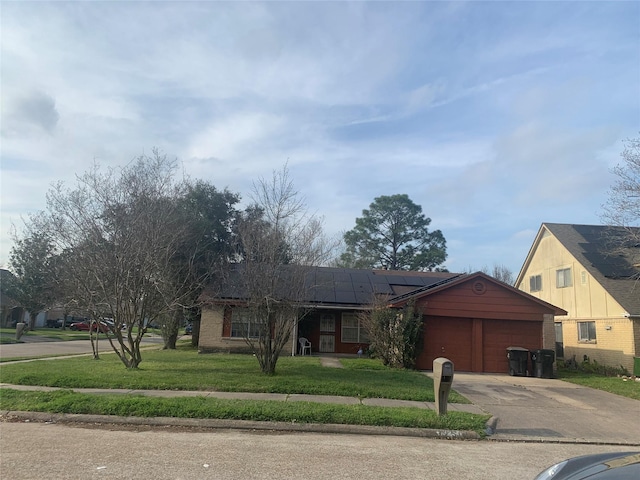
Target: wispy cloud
494, 117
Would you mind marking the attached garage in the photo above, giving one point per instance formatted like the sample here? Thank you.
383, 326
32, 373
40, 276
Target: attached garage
497, 335
447, 337
472, 320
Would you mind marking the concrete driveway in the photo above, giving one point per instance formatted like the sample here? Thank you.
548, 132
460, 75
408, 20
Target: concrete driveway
551, 410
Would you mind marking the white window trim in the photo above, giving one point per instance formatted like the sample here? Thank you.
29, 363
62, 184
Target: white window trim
564, 277
361, 335
588, 339
243, 316
537, 285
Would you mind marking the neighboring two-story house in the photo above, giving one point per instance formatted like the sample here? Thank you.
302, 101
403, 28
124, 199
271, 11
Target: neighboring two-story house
592, 272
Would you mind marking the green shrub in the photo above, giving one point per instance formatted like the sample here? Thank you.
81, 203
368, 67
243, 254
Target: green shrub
592, 366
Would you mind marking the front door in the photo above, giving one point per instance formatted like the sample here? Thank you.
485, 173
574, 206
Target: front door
327, 333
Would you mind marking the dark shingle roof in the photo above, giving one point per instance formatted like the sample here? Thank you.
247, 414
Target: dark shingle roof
342, 286
609, 255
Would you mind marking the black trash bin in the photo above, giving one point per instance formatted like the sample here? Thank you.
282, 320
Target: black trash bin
518, 361
542, 363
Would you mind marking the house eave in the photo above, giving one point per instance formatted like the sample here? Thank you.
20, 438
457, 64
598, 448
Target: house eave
530, 253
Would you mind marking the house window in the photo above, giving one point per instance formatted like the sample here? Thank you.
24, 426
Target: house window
563, 278
327, 322
535, 283
586, 331
352, 329
243, 325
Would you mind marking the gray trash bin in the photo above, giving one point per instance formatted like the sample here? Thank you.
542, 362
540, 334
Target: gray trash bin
518, 361
542, 363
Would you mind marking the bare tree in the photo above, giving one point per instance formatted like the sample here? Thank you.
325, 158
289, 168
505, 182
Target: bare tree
623, 205
279, 242
622, 209
119, 233
499, 272
502, 273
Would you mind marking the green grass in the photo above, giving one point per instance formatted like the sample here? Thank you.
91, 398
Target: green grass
8, 335
185, 369
617, 385
65, 401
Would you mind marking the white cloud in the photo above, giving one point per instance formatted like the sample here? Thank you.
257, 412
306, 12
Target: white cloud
230, 137
493, 117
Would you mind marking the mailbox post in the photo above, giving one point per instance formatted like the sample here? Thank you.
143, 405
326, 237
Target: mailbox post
442, 380
20, 328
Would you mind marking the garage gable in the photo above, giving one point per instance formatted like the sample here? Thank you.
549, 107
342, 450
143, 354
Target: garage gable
473, 319
478, 296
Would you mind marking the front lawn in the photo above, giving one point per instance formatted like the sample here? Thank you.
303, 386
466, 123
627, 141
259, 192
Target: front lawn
185, 369
65, 401
618, 385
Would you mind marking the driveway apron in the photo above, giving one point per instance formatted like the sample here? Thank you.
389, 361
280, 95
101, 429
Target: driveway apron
551, 410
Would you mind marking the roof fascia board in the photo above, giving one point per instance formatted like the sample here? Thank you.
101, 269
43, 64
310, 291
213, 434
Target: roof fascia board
532, 250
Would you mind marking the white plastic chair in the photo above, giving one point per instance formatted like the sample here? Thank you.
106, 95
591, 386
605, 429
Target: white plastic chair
305, 345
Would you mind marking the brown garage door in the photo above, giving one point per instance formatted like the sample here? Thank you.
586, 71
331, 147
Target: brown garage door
446, 337
499, 334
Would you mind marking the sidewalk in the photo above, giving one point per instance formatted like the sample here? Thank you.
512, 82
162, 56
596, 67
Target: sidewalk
339, 400
248, 425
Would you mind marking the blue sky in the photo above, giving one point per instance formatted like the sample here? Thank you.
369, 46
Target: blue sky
493, 116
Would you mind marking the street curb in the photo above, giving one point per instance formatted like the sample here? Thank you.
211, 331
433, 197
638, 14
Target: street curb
494, 436
491, 424
218, 424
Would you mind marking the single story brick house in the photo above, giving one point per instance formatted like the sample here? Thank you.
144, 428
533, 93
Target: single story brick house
469, 318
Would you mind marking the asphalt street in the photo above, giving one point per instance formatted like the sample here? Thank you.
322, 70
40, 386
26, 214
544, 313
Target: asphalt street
36, 347
39, 450
523, 408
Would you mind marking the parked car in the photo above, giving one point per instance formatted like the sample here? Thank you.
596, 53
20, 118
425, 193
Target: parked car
601, 466
87, 325
188, 330
51, 323
108, 323
68, 322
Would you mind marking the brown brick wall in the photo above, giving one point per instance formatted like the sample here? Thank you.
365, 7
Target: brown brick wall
211, 339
